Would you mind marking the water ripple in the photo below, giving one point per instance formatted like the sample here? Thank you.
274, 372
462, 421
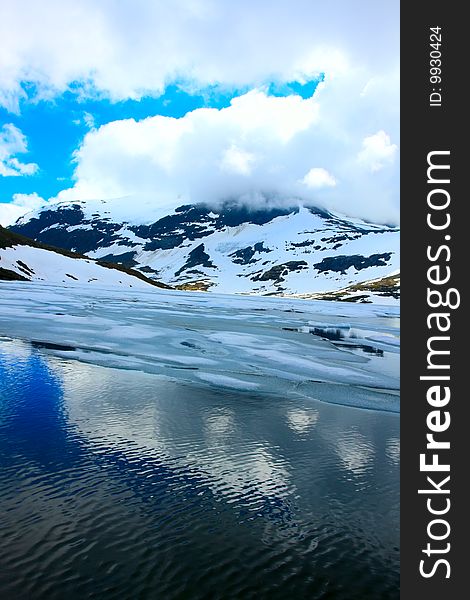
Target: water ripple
123, 485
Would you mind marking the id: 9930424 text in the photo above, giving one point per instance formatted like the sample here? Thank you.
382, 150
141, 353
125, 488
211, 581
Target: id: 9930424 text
435, 66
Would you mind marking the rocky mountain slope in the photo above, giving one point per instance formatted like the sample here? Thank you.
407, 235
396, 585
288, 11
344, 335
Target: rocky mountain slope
278, 251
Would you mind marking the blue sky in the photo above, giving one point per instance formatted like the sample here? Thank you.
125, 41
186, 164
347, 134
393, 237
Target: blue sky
110, 100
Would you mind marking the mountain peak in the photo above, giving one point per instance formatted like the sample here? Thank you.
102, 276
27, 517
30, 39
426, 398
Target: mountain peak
231, 249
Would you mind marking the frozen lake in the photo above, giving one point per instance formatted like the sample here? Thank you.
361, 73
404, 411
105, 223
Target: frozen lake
336, 352
175, 445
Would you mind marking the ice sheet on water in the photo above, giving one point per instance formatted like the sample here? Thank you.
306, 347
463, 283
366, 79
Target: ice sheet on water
229, 382
267, 345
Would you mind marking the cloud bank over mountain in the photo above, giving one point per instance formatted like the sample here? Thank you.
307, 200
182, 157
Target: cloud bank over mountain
261, 149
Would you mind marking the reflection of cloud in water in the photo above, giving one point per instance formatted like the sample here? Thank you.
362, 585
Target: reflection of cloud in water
219, 422
392, 450
101, 407
15, 351
301, 420
355, 452
253, 475
122, 409
237, 468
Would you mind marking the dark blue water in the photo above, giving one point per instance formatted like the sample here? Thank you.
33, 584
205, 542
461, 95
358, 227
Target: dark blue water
120, 484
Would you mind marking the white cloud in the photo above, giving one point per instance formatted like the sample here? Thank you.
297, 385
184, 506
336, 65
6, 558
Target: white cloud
28, 201
9, 213
13, 142
318, 178
377, 151
206, 156
257, 150
87, 119
130, 49
236, 160
21, 204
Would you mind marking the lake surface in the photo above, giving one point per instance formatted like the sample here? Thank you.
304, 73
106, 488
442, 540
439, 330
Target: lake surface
141, 481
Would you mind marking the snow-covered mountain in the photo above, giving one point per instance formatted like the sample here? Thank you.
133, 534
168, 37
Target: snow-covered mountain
26, 260
276, 251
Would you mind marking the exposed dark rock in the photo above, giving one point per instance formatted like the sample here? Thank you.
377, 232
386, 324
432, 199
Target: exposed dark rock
244, 256
126, 259
194, 222
24, 267
321, 213
277, 273
197, 257
341, 264
101, 234
7, 275
302, 244
147, 269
